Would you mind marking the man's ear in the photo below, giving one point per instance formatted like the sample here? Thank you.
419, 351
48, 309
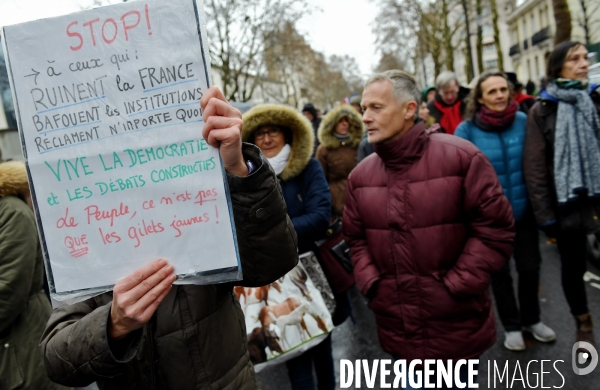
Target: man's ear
410, 110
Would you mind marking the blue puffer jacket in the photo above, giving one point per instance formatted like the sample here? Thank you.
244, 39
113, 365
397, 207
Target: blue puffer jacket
308, 204
505, 152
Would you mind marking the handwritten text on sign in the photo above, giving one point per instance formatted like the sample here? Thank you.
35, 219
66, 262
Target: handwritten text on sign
108, 102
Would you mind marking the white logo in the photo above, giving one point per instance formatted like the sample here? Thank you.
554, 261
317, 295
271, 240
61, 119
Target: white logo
579, 358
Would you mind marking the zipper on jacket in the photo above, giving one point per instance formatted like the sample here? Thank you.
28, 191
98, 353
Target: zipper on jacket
507, 167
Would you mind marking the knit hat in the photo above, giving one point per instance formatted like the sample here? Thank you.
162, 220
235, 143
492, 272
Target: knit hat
310, 108
355, 100
425, 91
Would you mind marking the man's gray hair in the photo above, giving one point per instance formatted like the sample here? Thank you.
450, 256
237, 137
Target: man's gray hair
405, 86
444, 79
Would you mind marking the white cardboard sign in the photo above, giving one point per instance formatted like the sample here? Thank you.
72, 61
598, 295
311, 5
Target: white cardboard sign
110, 121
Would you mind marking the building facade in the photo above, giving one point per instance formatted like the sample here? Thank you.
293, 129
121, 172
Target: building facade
532, 29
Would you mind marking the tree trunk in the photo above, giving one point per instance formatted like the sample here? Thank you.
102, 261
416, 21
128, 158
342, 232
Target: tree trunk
563, 21
479, 8
494, 7
585, 18
467, 52
448, 49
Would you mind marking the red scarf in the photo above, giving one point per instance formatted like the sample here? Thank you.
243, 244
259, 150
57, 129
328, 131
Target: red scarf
520, 98
451, 116
496, 120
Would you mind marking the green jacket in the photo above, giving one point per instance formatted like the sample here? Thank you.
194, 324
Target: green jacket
197, 337
24, 309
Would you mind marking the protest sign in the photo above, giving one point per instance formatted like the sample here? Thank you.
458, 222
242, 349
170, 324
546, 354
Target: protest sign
289, 316
110, 121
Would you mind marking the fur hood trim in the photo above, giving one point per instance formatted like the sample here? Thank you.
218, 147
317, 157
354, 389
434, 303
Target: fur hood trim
303, 138
13, 179
326, 137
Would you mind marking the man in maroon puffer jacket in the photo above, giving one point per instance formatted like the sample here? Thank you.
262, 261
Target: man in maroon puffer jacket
428, 224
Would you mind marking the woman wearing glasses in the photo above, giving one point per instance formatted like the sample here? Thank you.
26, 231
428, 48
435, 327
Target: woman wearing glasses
286, 139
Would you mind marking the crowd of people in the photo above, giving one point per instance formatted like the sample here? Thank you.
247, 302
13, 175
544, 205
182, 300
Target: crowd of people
506, 165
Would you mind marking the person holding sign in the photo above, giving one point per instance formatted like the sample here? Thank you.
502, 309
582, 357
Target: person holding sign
24, 309
149, 334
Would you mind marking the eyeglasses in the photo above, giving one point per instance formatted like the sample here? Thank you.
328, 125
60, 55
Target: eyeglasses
273, 132
449, 93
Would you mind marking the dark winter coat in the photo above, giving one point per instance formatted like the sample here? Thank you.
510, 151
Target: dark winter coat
538, 165
504, 149
364, 148
197, 338
337, 158
315, 123
427, 220
24, 308
303, 184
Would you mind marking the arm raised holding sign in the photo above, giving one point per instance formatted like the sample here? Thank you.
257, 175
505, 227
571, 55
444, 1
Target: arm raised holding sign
148, 333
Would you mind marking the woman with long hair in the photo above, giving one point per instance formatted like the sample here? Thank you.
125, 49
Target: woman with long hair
562, 168
497, 127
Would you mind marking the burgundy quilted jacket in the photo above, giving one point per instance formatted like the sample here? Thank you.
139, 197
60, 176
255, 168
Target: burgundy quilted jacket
426, 218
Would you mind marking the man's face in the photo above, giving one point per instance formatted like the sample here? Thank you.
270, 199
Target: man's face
308, 115
384, 117
449, 93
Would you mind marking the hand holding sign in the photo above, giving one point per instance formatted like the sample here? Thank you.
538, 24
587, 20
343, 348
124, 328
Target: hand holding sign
223, 127
136, 298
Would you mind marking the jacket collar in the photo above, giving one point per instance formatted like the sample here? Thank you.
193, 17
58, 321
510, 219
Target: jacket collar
406, 149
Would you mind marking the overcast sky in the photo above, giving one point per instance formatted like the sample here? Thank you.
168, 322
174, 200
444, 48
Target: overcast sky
339, 27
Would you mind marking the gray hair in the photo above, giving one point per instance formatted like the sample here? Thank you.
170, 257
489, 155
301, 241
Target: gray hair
444, 79
404, 85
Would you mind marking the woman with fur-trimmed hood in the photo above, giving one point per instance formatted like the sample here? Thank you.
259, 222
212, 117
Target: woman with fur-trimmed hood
24, 308
340, 133
286, 139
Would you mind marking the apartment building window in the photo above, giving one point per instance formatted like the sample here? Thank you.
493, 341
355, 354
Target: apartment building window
491, 64
525, 32
537, 66
529, 70
515, 36
543, 19
489, 48
533, 24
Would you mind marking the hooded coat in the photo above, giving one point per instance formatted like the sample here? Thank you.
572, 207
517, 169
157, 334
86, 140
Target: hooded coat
197, 337
432, 260
302, 181
337, 158
24, 308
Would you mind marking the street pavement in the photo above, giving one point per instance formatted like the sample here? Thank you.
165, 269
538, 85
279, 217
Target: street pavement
359, 341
